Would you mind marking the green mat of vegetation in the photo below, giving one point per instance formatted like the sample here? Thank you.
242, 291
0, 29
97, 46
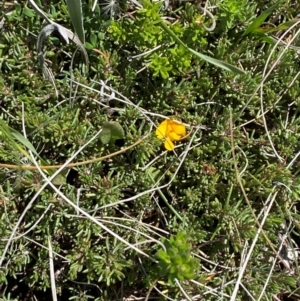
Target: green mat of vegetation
149, 150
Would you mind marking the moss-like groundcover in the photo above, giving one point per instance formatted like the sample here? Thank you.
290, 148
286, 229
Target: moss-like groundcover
155, 156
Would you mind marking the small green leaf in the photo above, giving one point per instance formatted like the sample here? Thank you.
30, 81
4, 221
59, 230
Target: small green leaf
18, 9
28, 12
93, 39
260, 19
89, 46
115, 128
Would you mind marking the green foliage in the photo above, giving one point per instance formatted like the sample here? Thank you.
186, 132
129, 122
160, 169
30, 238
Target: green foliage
160, 66
152, 29
75, 11
146, 64
233, 12
176, 262
257, 22
111, 131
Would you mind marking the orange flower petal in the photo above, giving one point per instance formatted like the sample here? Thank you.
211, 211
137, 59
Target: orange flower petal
161, 131
169, 145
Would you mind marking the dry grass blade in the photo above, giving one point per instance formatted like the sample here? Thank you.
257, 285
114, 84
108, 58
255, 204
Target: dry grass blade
64, 32
52, 274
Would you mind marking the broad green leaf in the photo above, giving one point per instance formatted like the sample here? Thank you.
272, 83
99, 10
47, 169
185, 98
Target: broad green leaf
75, 11
105, 135
115, 128
111, 131
260, 19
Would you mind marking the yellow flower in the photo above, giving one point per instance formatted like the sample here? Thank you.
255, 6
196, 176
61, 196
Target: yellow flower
170, 130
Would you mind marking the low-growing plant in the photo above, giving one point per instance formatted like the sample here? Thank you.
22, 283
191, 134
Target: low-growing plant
176, 261
167, 169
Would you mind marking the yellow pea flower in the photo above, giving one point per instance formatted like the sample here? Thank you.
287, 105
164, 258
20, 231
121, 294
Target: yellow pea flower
170, 130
